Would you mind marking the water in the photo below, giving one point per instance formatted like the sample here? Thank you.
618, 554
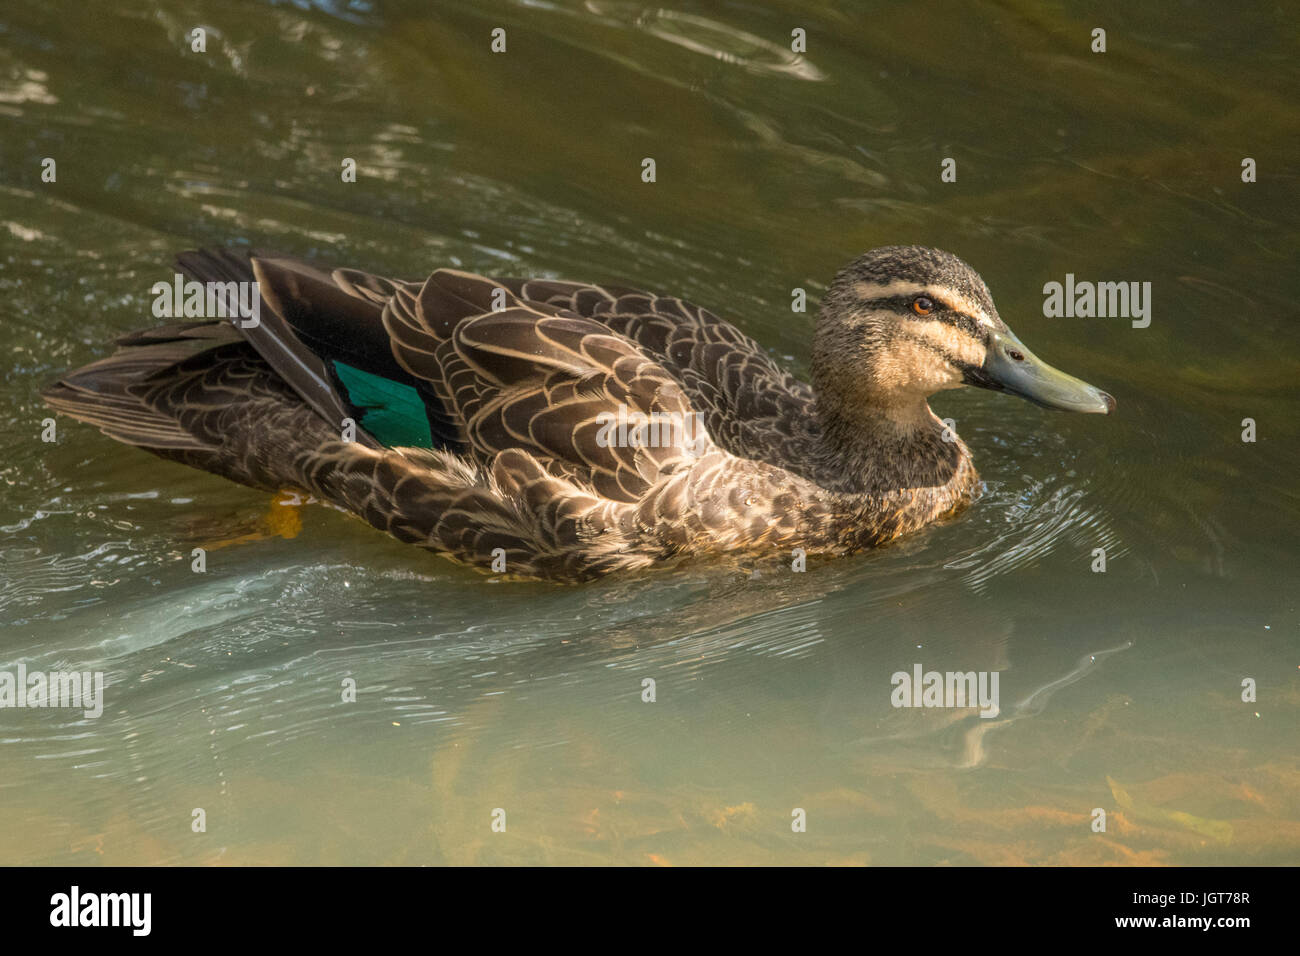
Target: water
1119, 690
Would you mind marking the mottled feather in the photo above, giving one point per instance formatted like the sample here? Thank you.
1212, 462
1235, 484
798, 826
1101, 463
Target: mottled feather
518, 378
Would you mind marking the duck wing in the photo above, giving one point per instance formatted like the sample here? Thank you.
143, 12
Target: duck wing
460, 363
751, 406
384, 353
322, 332
516, 374
488, 411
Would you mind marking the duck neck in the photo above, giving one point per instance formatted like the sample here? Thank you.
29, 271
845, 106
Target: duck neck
879, 448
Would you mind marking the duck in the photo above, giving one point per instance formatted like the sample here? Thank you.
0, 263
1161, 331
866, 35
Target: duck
566, 430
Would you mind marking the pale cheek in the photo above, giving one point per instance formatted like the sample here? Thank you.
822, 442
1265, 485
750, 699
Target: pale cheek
924, 370
954, 342
955, 379
942, 375
972, 352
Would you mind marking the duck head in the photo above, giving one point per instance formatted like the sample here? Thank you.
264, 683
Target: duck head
903, 322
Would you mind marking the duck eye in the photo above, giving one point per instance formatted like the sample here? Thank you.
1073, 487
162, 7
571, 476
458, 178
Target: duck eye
923, 305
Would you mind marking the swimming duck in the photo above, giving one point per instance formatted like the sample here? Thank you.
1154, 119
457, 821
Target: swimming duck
565, 430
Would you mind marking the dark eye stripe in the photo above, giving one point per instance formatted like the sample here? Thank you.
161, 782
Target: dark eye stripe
902, 304
967, 324
943, 312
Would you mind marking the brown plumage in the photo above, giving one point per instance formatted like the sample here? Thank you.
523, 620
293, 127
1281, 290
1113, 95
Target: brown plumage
513, 390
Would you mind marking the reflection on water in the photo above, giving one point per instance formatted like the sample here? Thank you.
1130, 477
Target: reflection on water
721, 41
771, 689
1032, 705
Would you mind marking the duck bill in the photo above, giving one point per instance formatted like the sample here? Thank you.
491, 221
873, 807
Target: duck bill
1010, 367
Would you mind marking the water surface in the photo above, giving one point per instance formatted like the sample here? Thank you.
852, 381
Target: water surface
1120, 690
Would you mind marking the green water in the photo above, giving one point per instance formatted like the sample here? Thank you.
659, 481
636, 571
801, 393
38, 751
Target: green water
1120, 690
